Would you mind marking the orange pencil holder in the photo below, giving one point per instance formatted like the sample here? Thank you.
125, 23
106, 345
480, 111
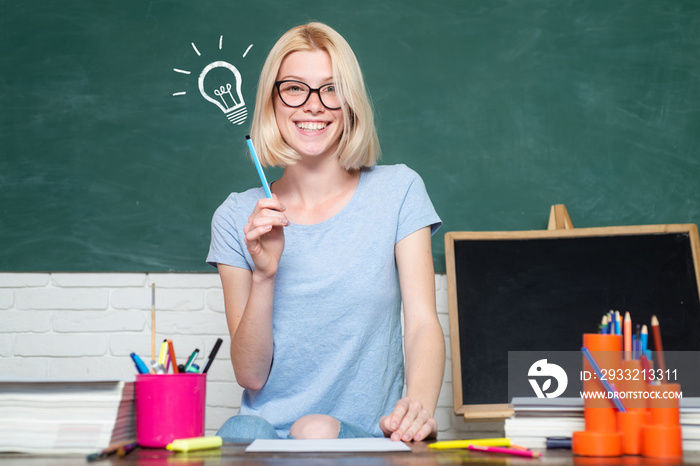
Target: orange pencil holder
636, 415
661, 436
601, 437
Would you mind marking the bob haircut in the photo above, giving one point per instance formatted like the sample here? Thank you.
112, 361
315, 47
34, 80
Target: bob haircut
358, 146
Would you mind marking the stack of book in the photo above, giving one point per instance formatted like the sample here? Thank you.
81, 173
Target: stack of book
535, 419
690, 423
75, 416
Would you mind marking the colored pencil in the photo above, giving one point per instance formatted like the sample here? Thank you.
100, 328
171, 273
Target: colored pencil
646, 367
505, 450
658, 346
591, 360
628, 336
644, 338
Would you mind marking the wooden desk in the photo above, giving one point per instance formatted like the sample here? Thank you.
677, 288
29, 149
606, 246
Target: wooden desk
420, 456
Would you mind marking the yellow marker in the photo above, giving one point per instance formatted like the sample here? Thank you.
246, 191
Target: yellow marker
484, 442
195, 443
163, 352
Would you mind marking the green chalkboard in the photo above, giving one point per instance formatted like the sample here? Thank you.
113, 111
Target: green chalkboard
504, 107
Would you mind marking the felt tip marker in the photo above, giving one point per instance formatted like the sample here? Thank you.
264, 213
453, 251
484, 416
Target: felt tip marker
171, 355
191, 359
485, 442
163, 352
212, 355
126, 449
140, 365
195, 443
258, 167
112, 449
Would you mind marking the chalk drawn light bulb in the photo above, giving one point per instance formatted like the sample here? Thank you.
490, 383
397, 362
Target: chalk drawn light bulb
223, 89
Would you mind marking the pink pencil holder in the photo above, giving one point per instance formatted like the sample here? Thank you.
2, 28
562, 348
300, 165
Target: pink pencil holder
169, 407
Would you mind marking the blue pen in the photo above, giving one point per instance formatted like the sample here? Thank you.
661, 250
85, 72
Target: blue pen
258, 167
140, 366
603, 380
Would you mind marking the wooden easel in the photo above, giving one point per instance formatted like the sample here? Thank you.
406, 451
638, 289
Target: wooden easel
559, 218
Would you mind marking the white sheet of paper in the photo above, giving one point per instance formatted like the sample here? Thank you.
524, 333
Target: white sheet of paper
327, 445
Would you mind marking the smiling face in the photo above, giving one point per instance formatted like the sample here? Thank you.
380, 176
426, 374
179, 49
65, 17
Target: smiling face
312, 130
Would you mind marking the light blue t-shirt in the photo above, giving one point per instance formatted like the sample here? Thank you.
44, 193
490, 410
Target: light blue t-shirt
336, 315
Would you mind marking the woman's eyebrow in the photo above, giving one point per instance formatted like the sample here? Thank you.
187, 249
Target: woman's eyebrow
300, 79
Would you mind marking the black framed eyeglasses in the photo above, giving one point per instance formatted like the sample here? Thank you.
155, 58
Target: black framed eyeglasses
295, 94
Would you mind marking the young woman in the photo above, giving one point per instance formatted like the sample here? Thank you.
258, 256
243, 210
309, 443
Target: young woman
314, 278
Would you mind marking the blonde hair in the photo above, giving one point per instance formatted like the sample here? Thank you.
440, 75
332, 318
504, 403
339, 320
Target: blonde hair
359, 145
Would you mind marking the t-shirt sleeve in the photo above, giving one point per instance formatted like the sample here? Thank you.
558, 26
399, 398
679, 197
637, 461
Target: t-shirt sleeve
227, 245
417, 211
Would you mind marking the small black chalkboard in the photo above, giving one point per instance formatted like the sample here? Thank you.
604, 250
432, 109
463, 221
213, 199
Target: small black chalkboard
542, 290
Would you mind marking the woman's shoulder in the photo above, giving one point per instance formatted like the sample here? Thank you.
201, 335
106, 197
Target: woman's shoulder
394, 179
239, 203
397, 173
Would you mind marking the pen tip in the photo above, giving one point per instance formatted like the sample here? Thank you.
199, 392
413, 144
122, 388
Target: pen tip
654, 320
247, 136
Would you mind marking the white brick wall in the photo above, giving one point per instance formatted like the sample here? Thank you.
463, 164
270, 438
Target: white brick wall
84, 325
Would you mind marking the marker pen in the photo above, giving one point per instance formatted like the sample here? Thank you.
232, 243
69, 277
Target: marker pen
212, 355
191, 359
258, 167
195, 443
140, 365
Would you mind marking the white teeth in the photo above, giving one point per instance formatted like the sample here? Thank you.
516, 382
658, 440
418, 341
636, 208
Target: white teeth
311, 125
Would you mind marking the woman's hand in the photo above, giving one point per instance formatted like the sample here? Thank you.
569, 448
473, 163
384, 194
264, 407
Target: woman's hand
409, 421
264, 235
